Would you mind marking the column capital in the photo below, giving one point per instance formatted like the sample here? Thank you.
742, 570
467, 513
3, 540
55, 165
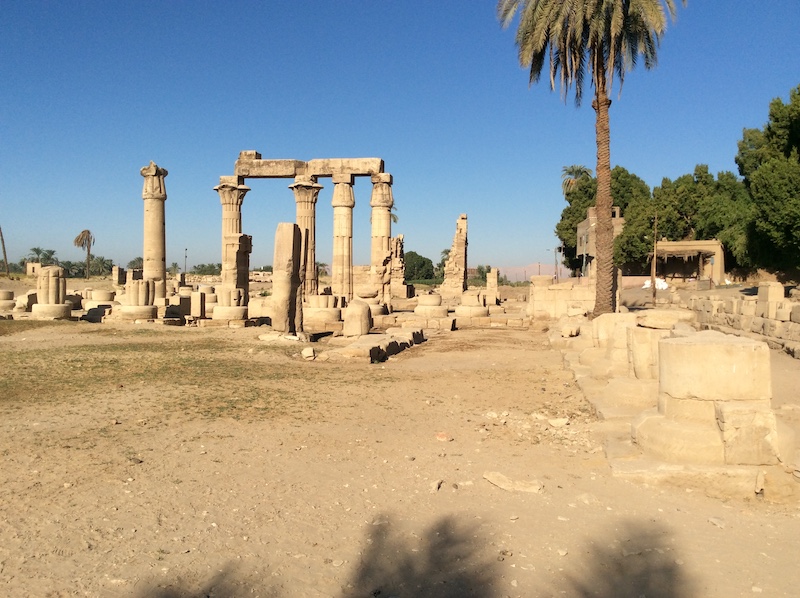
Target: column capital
381, 191
153, 181
230, 194
306, 188
343, 191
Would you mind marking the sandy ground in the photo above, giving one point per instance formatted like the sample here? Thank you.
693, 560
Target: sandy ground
164, 462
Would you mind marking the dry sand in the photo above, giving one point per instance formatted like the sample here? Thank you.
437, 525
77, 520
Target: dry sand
159, 461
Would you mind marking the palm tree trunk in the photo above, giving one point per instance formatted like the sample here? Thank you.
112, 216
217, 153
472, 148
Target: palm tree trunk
88, 256
604, 293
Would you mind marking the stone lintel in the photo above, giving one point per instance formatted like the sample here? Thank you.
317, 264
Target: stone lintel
354, 166
263, 169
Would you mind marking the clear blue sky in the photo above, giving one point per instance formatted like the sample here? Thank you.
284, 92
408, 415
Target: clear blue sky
92, 91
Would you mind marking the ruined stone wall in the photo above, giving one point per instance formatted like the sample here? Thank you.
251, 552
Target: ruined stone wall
768, 316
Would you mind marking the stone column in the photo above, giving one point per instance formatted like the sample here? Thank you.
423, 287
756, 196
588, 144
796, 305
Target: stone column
381, 253
306, 191
231, 195
154, 195
342, 266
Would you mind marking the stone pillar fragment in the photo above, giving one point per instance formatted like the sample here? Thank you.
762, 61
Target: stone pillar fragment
306, 191
455, 269
342, 267
287, 304
399, 288
381, 202
154, 254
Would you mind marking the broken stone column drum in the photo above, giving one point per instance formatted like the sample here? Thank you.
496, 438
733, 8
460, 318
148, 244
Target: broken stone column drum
51, 292
154, 254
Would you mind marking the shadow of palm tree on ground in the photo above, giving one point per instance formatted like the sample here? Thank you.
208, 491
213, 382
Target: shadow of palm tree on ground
643, 565
447, 564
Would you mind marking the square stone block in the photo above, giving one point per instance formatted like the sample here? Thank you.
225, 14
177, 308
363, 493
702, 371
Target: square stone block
712, 366
771, 291
749, 433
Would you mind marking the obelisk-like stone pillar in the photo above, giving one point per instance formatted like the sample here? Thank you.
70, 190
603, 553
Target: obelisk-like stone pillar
381, 252
154, 195
287, 305
231, 196
306, 191
342, 266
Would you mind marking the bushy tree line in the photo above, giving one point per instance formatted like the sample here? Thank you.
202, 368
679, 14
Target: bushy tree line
756, 216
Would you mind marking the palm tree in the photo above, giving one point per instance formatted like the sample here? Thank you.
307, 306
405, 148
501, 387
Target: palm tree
570, 175
601, 38
84, 240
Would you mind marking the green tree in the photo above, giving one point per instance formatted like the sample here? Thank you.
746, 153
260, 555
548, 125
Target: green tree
174, 268
322, 269
207, 269
418, 267
136, 263
438, 271
626, 187
85, 240
768, 160
570, 175
602, 39
101, 266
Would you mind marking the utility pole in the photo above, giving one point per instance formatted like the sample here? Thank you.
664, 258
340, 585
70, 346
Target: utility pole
653, 263
185, 256
5, 257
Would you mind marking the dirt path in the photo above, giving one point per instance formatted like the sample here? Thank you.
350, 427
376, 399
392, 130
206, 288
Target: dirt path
204, 464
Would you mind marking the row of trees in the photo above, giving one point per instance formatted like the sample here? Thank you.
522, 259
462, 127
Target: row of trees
756, 216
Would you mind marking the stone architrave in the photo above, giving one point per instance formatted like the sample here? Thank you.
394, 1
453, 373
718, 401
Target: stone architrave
399, 289
287, 304
342, 266
381, 202
154, 195
236, 247
306, 191
455, 269
51, 293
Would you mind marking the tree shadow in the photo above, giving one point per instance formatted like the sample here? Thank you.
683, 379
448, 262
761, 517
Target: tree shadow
642, 565
446, 564
225, 584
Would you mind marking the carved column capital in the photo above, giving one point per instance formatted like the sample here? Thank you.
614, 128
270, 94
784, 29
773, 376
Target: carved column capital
382, 191
230, 194
154, 182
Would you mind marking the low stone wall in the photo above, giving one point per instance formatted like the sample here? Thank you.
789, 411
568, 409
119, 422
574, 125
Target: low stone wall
557, 300
769, 316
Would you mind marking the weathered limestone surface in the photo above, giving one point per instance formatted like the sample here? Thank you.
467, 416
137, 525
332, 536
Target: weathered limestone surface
381, 203
154, 195
399, 289
342, 266
455, 268
287, 303
306, 192
547, 300
51, 293
357, 319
